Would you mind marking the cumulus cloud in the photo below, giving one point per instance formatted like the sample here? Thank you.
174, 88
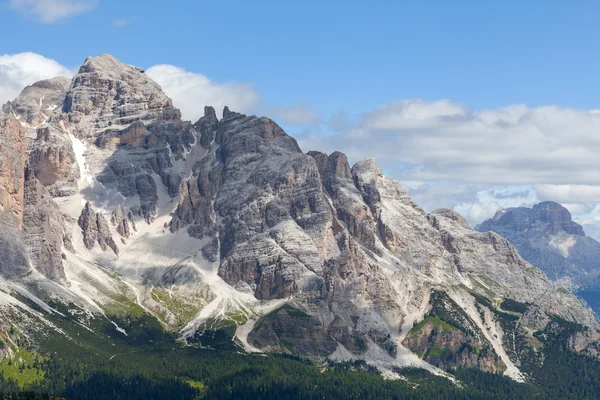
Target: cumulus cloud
50, 11
192, 91
446, 141
20, 70
298, 115
569, 193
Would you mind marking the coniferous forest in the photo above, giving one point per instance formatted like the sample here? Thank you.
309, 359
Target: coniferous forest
161, 368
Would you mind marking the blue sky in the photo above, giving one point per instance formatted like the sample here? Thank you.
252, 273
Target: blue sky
472, 105
350, 55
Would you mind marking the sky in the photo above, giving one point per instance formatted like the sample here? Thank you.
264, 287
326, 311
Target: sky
471, 105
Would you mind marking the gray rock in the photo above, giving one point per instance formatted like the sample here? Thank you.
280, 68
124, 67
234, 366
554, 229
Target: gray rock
52, 160
45, 230
546, 236
95, 229
120, 221
38, 101
88, 223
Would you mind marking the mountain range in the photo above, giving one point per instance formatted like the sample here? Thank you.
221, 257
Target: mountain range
119, 216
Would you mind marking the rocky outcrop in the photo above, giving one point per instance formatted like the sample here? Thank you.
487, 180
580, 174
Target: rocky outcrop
107, 95
445, 346
120, 222
453, 215
53, 162
290, 330
95, 229
45, 230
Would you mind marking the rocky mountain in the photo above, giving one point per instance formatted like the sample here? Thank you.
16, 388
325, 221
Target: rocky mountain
118, 210
548, 238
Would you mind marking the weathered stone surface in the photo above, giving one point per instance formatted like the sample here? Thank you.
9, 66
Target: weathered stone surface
120, 221
445, 347
207, 126
38, 101
95, 229
13, 253
109, 95
45, 230
13, 258
290, 330
453, 215
105, 238
52, 160
88, 225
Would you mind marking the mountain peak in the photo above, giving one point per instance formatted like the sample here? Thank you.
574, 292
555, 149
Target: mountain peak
547, 216
111, 94
105, 63
559, 217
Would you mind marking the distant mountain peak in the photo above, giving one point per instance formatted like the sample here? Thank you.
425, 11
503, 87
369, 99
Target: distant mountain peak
547, 237
547, 216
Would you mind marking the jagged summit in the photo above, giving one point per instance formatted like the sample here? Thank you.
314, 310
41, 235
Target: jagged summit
225, 224
109, 95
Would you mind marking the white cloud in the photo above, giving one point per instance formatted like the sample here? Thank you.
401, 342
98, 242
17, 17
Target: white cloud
445, 141
50, 11
192, 91
569, 193
489, 200
578, 208
20, 70
119, 23
298, 115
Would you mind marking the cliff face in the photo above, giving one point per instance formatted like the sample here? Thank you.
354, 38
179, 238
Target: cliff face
226, 225
13, 154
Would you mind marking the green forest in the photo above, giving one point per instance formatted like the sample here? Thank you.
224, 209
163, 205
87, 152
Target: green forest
167, 370
149, 363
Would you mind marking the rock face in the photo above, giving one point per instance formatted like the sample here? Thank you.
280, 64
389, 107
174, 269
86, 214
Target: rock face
53, 162
227, 225
546, 236
95, 229
13, 154
37, 102
109, 95
44, 230
121, 223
